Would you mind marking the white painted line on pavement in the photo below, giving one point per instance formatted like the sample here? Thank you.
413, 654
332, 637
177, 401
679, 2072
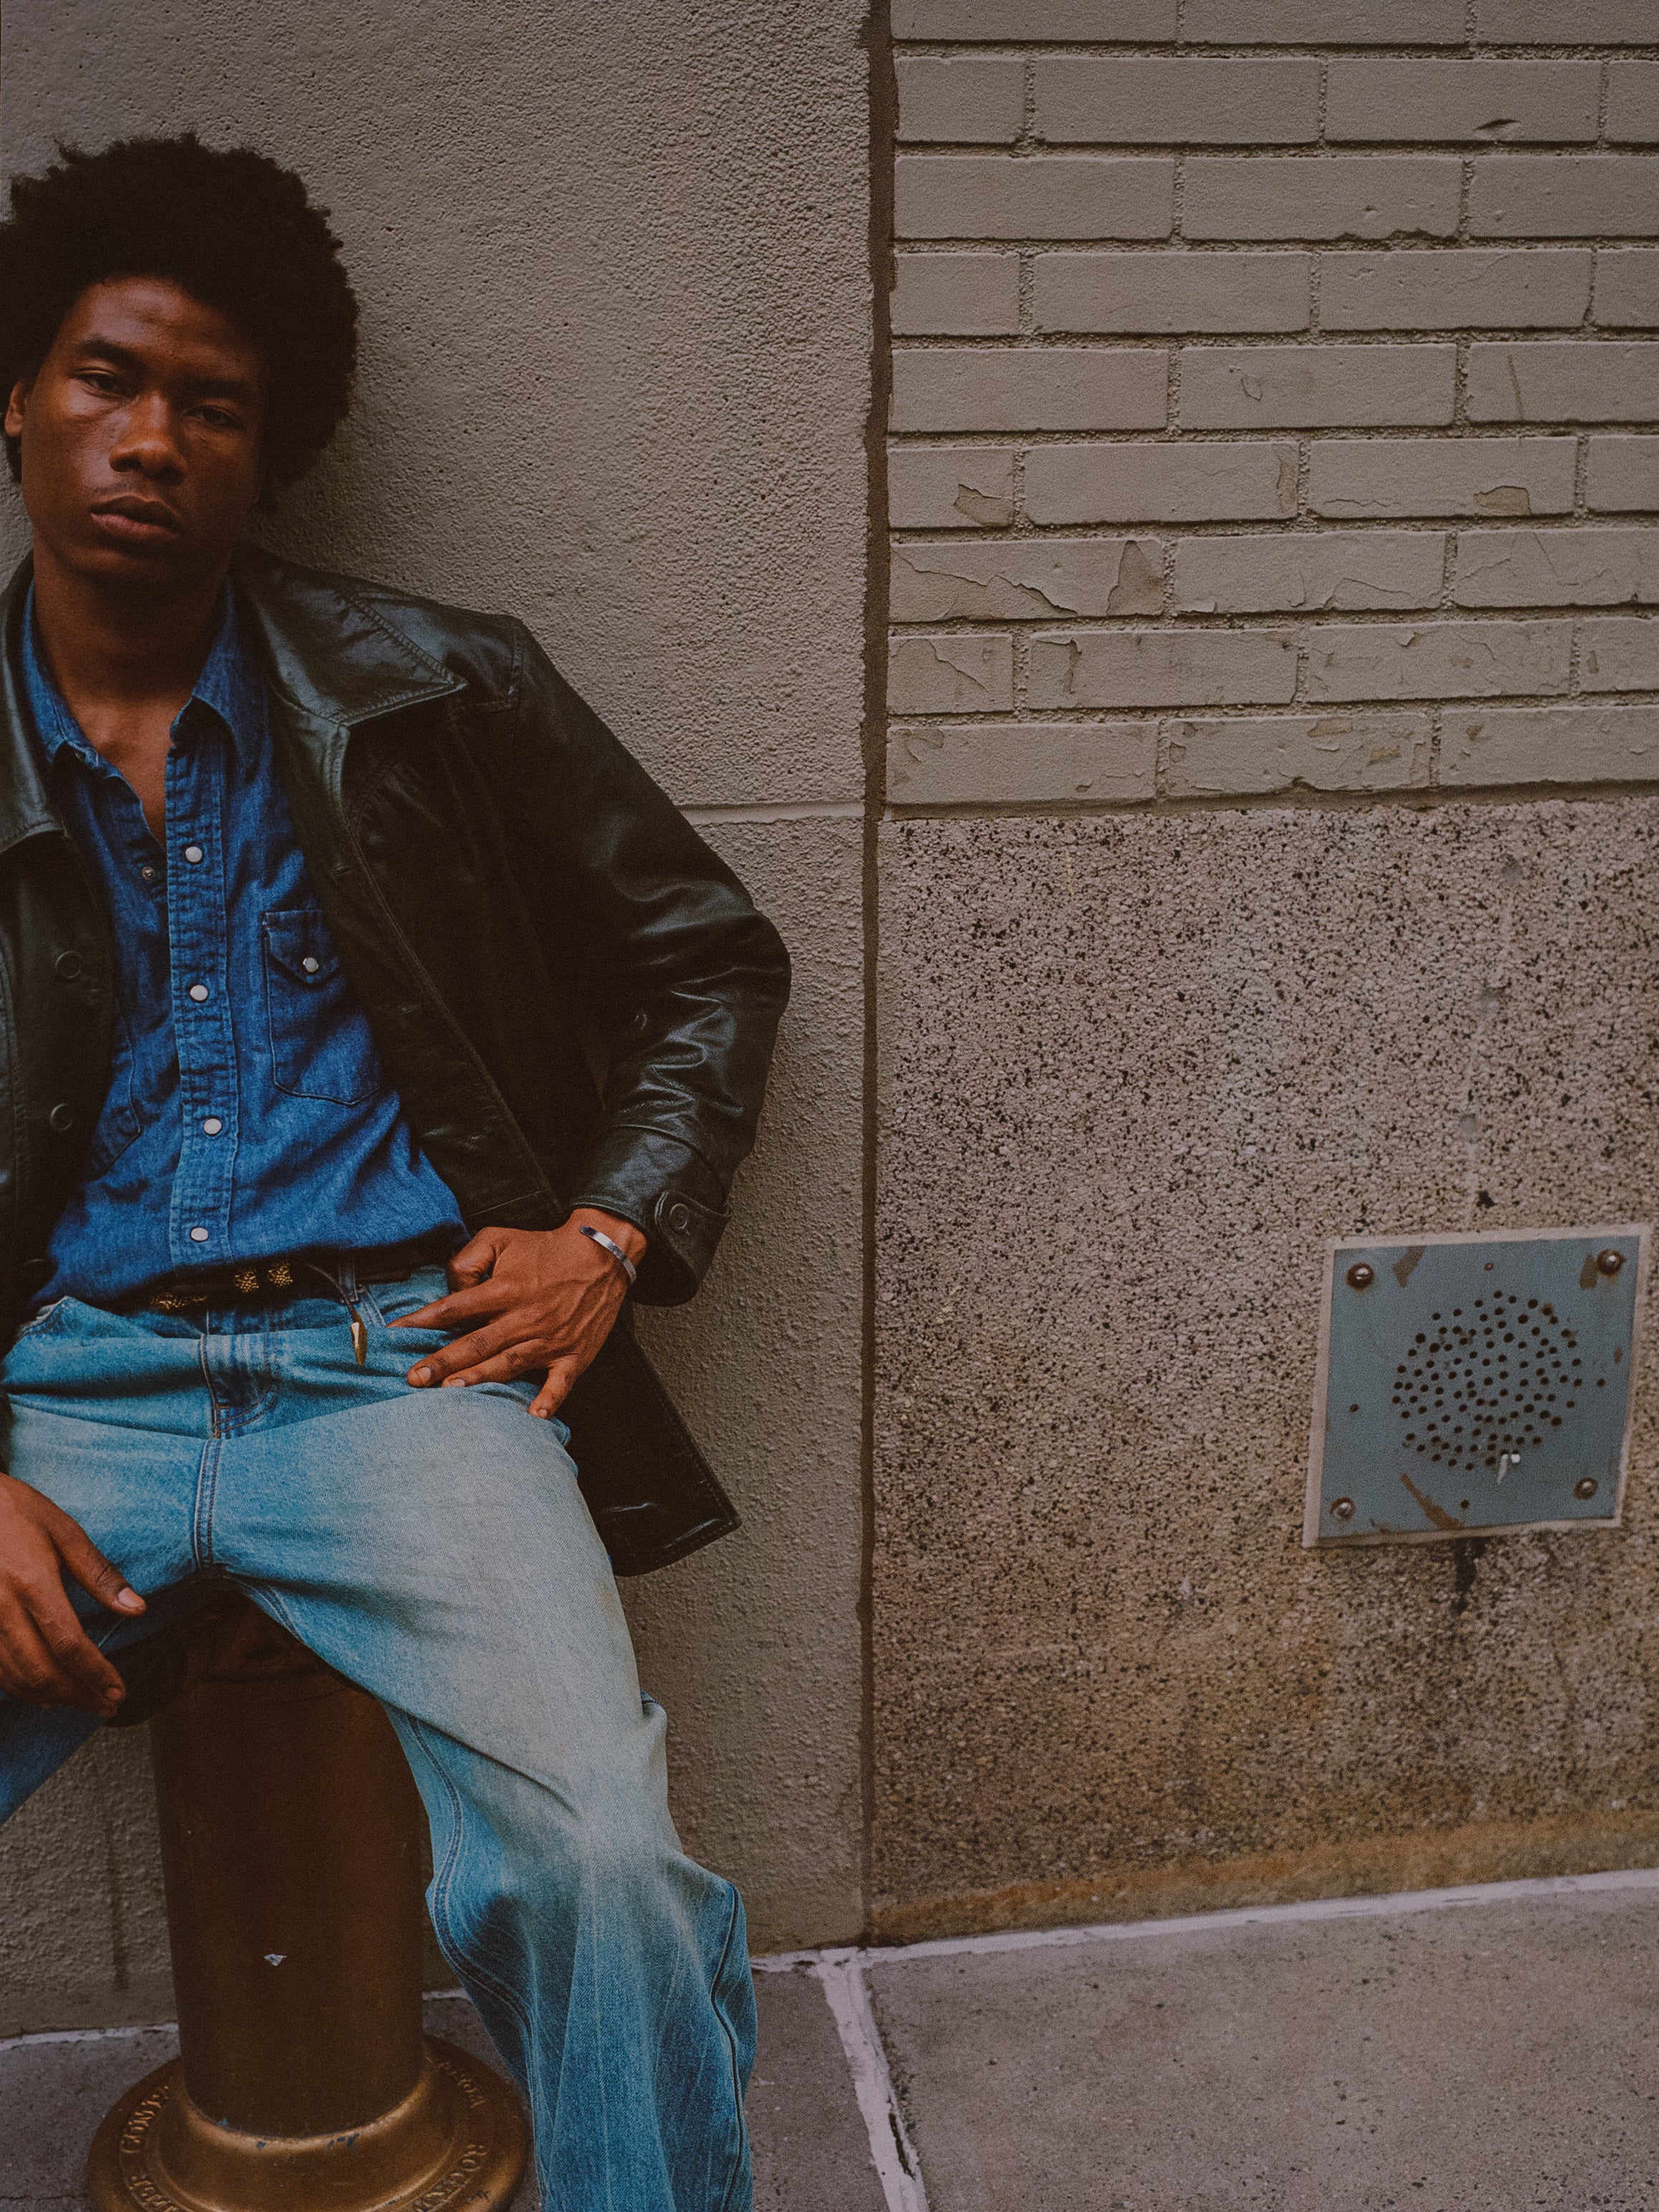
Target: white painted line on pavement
842, 1975
86, 2035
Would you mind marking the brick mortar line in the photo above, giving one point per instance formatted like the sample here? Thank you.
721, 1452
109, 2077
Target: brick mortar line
1222, 249
1400, 241
1289, 49
1338, 526
1315, 149
1241, 624
1098, 341
1025, 718
1284, 434
1420, 798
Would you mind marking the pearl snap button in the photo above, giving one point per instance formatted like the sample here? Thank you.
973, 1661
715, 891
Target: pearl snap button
311, 965
212, 1126
192, 854
199, 991
199, 1236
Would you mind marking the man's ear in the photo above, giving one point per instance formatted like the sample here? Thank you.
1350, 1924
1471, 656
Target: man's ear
16, 407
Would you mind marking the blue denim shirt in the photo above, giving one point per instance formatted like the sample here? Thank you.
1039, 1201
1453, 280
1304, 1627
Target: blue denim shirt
247, 1113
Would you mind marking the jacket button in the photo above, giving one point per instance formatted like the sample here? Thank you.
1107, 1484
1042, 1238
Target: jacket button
61, 1118
678, 1218
70, 965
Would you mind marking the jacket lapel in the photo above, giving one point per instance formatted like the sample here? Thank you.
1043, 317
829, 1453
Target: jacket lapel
25, 808
330, 657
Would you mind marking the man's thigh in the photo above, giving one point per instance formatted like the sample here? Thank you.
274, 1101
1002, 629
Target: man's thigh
433, 1546
108, 1419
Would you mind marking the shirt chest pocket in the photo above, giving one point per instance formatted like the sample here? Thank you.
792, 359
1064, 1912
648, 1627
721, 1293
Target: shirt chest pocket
321, 1044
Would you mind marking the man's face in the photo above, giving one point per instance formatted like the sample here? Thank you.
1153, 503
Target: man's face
142, 437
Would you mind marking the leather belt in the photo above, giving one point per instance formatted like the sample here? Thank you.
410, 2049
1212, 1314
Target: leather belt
291, 1275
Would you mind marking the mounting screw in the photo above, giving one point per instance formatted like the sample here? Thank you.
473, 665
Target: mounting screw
1361, 1278
1609, 1262
1342, 1507
1587, 1487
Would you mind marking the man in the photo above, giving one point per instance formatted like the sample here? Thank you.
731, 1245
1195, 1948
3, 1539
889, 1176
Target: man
308, 892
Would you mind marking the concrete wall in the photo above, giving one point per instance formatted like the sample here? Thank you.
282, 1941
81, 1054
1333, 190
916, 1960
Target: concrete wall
1273, 458
612, 262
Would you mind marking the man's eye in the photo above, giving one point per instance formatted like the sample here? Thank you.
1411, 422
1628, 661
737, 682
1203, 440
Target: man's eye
100, 379
216, 418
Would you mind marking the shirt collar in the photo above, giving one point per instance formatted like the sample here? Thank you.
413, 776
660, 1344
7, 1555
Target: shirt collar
228, 685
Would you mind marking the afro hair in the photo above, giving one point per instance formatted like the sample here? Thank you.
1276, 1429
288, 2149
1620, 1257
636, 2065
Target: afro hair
230, 227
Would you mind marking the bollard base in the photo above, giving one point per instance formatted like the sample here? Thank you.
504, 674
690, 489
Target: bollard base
458, 2138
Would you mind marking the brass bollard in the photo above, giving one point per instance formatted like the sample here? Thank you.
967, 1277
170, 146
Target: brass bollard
290, 1846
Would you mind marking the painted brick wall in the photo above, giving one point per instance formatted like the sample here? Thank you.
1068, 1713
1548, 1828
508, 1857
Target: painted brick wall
1275, 397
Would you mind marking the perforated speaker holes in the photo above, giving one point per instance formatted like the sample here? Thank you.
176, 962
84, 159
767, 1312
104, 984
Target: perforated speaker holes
1478, 1387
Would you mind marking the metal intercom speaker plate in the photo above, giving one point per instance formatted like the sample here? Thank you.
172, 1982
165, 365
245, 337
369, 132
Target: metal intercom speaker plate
1470, 1384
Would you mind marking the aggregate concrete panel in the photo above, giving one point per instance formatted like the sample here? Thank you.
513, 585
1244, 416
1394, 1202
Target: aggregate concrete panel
1136, 1069
1475, 2058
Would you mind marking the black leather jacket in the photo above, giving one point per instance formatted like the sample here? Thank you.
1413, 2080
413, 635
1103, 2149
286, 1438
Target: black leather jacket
514, 899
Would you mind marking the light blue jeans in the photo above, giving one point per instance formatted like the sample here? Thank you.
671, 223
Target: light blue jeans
431, 1546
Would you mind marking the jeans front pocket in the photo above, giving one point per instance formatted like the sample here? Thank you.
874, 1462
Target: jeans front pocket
320, 1045
391, 1302
38, 1324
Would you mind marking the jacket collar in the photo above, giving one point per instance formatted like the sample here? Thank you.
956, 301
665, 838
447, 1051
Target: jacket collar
326, 652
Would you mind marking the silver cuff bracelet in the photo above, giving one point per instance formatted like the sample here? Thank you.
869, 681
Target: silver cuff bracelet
609, 1244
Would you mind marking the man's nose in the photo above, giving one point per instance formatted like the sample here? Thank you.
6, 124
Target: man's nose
148, 444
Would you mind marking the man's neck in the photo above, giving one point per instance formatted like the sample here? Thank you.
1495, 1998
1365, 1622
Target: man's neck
125, 667
116, 656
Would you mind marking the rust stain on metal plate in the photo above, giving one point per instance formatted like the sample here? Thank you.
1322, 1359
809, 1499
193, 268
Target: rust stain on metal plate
1406, 1261
1437, 1514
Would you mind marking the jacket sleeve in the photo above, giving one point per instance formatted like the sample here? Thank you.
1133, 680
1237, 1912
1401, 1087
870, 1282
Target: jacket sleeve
667, 957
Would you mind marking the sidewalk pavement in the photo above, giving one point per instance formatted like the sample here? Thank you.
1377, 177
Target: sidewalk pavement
1491, 2050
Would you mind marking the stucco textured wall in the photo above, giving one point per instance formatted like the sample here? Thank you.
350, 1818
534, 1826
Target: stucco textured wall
612, 262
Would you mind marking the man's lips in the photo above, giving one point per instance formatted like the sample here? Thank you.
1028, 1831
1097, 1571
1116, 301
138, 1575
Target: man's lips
138, 521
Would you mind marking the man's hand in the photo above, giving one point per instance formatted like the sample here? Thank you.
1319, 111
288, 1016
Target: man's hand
46, 1657
529, 1298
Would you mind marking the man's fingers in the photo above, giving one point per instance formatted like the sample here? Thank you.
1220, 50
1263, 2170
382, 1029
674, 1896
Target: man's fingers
481, 1303
553, 1393
476, 1260
41, 1676
466, 1352
503, 1366
96, 1683
96, 1577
